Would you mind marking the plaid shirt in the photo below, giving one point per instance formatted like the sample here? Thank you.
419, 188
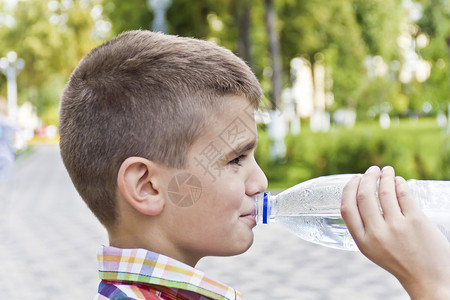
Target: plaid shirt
141, 274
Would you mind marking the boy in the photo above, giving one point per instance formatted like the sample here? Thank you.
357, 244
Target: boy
158, 136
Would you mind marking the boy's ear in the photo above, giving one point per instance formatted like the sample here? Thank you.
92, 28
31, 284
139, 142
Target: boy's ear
137, 181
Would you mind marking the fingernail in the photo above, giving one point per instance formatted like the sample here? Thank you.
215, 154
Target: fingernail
400, 179
373, 168
387, 168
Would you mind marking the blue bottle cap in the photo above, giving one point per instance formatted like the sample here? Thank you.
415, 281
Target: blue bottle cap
265, 208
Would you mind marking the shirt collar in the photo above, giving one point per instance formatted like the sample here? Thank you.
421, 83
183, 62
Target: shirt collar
146, 267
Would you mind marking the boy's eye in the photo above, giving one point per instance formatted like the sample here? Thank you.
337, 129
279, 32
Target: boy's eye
237, 160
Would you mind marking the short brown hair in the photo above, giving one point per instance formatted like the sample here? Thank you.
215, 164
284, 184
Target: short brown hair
142, 94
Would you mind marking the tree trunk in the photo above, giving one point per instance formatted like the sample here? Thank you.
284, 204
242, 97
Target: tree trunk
275, 53
241, 14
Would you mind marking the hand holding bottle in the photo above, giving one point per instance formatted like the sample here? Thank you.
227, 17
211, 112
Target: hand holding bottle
399, 237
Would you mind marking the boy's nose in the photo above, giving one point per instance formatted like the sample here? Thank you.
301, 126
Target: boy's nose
257, 180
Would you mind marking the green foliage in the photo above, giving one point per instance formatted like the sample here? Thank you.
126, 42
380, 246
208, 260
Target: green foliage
416, 149
193, 23
47, 48
436, 25
379, 22
184, 17
128, 15
377, 93
50, 49
342, 33
330, 28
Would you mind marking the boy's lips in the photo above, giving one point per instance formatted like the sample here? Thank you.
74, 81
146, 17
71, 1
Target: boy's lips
251, 217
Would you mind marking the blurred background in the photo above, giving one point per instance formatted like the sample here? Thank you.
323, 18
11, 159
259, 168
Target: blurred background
347, 84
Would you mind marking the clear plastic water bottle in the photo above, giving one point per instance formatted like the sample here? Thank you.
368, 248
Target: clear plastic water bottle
311, 209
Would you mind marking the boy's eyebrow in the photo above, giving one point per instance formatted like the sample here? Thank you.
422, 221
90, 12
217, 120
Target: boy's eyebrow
244, 146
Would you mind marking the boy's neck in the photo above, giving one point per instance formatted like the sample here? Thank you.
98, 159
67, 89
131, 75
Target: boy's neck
152, 242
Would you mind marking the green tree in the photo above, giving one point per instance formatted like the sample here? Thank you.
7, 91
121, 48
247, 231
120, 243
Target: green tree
330, 28
380, 22
435, 24
128, 15
51, 37
184, 17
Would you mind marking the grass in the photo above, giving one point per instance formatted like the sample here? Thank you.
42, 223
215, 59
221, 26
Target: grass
415, 148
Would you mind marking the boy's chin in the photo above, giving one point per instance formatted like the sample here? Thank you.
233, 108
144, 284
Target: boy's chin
239, 249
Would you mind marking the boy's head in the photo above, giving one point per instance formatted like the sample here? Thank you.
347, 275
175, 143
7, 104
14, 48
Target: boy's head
147, 95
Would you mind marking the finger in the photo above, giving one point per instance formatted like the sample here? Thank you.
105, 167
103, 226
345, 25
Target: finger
387, 194
367, 200
349, 208
405, 197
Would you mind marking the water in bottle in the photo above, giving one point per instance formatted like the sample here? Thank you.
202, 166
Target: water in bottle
311, 209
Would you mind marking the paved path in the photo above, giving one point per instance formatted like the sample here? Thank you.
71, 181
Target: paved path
49, 239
